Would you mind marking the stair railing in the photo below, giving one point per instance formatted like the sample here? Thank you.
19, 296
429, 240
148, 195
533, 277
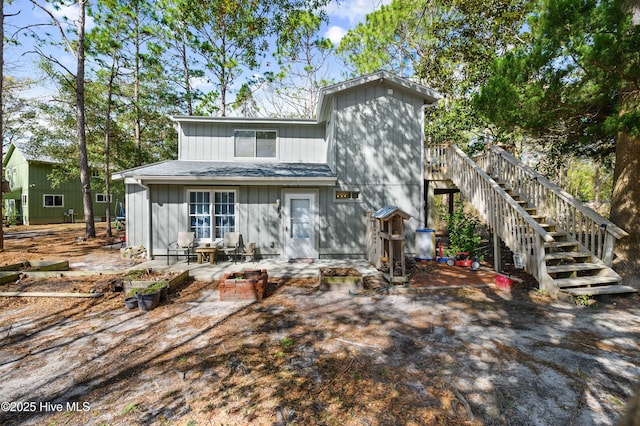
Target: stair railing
504, 216
594, 232
435, 161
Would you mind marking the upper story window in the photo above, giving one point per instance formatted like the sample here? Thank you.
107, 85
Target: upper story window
255, 143
53, 200
102, 198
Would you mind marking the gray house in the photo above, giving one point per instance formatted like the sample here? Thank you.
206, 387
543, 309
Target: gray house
297, 188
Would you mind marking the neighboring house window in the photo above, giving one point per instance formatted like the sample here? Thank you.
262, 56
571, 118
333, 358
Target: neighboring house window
53, 200
255, 143
9, 175
347, 195
212, 213
102, 198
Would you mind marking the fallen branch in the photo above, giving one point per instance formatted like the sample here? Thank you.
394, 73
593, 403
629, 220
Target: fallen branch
337, 376
47, 294
464, 402
363, 345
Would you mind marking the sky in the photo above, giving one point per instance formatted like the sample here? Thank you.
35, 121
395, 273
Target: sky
342, 16
346, 14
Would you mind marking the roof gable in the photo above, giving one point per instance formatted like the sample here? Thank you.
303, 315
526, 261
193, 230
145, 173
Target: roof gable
28, 153
380, 77
325, 100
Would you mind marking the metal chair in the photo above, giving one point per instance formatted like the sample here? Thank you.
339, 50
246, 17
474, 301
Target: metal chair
249, 252
231, 245
184, 245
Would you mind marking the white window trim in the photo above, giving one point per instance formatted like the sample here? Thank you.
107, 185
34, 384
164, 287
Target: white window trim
347, 200
104, 198
212, 191
44, 196
24, 200
254, 158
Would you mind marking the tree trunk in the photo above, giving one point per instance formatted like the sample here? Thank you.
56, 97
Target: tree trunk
626, 191
187, 76
107, 150
596, 187
85, 175
624, 208
136, 95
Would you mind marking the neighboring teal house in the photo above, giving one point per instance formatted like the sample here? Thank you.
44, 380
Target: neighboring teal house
32, 200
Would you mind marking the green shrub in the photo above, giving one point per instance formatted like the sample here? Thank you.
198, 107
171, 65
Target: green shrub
462, 232
153, 288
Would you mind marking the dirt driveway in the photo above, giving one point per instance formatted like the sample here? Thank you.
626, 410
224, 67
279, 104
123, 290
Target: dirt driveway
463, 356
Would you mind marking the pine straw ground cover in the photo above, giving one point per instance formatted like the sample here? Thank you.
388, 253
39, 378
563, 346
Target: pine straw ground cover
301, 356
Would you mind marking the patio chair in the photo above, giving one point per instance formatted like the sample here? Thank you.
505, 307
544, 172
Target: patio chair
184, 245
232, 245
249, 252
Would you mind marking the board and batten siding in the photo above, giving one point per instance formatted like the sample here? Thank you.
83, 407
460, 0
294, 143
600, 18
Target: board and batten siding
379, 151
33, 180
257, 215
297, 143
137, 207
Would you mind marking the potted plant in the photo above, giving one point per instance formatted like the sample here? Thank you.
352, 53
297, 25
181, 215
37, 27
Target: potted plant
463, 238
131, 302
148, 298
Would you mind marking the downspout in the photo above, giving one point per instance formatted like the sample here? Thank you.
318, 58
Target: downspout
149, 224
424, 212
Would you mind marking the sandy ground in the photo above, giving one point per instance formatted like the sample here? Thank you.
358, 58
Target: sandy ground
470, 356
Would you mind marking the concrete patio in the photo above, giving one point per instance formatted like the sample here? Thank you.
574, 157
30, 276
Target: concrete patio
275, 268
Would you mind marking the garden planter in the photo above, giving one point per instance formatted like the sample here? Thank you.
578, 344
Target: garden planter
131, 302
164, 293
247, 285
173, 281
341, 279
148, 302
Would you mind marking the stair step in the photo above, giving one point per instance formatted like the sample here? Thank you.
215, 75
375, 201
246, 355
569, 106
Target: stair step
574, 267
561, 255
538, 218
531, 210
585, 281
606, 289
558, 234
561, 244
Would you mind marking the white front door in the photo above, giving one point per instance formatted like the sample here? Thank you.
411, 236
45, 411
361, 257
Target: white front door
300, 213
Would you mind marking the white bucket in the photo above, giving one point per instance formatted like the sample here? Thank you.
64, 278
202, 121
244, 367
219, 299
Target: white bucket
426, 242
518, 260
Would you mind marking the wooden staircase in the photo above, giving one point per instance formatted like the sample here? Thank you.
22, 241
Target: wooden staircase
567, 247
572, 269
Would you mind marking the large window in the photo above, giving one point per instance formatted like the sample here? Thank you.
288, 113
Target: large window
51, 200
255, 143
212, 213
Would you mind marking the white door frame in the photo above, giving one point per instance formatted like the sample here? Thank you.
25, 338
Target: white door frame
310, 251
